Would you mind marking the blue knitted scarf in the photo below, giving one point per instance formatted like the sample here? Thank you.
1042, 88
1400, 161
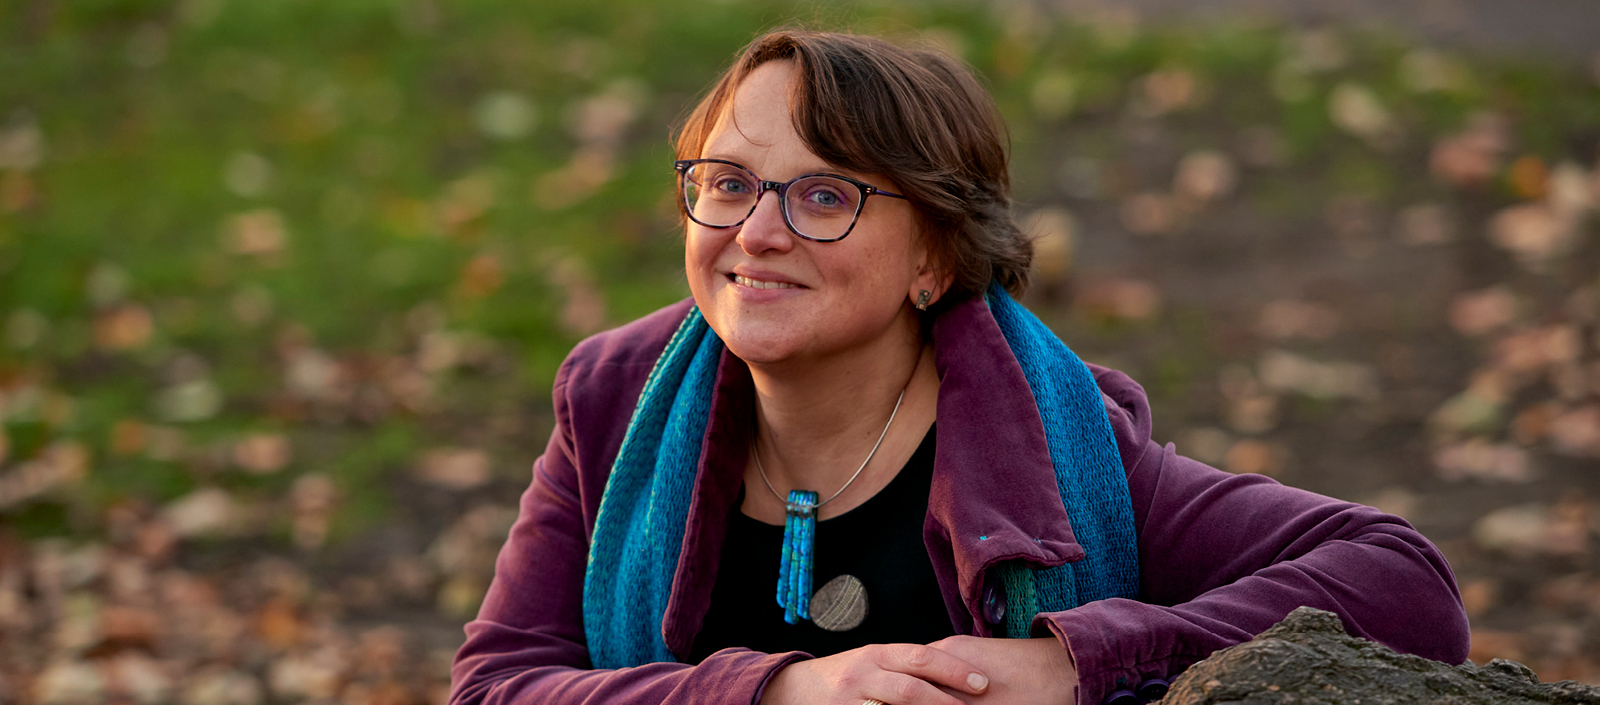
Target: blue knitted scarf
639, 531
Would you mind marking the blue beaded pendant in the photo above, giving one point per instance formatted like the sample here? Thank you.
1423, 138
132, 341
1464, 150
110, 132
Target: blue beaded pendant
794, 571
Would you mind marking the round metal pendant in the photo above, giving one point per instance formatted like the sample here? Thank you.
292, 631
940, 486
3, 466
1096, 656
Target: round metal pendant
841, 605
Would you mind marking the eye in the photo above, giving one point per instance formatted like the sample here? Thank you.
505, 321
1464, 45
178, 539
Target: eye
731, 184
825, 197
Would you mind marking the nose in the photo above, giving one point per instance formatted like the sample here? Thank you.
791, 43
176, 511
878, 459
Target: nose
765, 230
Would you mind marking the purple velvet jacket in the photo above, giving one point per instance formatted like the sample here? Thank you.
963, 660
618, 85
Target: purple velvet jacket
1222, 557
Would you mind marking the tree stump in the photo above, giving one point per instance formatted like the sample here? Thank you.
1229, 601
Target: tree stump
1308, 659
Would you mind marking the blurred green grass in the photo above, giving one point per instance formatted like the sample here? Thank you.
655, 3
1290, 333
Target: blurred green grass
363, 229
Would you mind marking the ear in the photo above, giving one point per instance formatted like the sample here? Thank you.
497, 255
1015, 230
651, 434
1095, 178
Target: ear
929, 276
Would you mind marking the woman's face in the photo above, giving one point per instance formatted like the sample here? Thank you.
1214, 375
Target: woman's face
810, 300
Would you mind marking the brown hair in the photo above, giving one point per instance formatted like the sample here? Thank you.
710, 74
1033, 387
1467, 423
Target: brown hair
916, 116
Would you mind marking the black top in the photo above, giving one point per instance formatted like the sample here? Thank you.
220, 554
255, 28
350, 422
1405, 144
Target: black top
879, 542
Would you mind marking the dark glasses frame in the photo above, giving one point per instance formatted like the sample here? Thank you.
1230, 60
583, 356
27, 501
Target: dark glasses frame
682, 166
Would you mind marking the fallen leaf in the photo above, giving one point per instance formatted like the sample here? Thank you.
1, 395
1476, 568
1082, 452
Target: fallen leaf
1532, 424
127, 437
1475, 313
1536, 529
312, 374
461, 596
1571, 191
1205, 176
248, 174
481, 277
1284, 371
1478, 459
1479, 595
312, 498
262, 453
1251, 456
17, 191
1529, 178
107, 284
583, 305
257, 233
455, 468
1207, 445
602, 118
1354, 108
1533, 233
22, 146
1253, 414
126, 327
1166, 90
222, 686
1478, 409
1469, 158
209, 510
505, 115
1488, 645
279, 624
195, 400
251, 306
1289, 318
1149, 214
1395, 500
1518, 530
139, 678
61, 463
589, 169
1577, 431
127, 627
1427, 70
69, 683
1054, 233
1125, 299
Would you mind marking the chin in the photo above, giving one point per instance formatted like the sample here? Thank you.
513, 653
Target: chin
759, 343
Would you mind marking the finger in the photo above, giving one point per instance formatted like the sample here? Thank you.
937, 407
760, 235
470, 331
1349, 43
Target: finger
902, 689
934, 666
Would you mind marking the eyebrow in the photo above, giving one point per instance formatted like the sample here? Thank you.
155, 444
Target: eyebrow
821, 168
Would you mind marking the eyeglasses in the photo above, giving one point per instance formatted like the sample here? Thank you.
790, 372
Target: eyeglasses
817, 207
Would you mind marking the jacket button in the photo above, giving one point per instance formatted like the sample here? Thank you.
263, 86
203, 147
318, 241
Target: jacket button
1152, 690
1122, 697
994, 602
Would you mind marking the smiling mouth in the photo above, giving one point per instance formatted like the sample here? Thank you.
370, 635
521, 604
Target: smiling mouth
758, 284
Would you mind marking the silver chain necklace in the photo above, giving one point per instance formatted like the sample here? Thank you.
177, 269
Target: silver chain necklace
756, 452
840, 605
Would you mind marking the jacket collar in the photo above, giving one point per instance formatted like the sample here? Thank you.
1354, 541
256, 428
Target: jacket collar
993, 497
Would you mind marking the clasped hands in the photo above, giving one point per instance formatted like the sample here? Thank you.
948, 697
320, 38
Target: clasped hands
959, 669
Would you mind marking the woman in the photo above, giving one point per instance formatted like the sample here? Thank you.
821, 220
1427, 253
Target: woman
850, 253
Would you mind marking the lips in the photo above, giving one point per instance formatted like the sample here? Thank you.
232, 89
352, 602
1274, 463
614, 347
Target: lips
761, 280
759, 284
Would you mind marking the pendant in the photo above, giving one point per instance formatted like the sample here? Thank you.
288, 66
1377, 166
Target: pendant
840, 605
794, 572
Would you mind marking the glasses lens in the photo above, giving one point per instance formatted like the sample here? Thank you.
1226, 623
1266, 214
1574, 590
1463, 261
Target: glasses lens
823, 207
718, 195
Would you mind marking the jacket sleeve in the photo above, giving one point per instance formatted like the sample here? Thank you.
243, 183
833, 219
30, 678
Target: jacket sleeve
1222, 557
527, 644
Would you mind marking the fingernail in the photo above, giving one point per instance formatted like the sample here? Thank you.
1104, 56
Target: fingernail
977, 681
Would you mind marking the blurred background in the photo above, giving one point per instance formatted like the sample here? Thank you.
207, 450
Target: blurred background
283, 286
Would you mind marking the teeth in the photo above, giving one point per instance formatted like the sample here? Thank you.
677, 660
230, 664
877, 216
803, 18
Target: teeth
758, 284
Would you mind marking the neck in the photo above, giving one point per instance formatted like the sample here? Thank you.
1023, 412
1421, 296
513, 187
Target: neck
816, 421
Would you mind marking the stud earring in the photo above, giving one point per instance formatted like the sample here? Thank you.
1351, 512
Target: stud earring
922, 299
